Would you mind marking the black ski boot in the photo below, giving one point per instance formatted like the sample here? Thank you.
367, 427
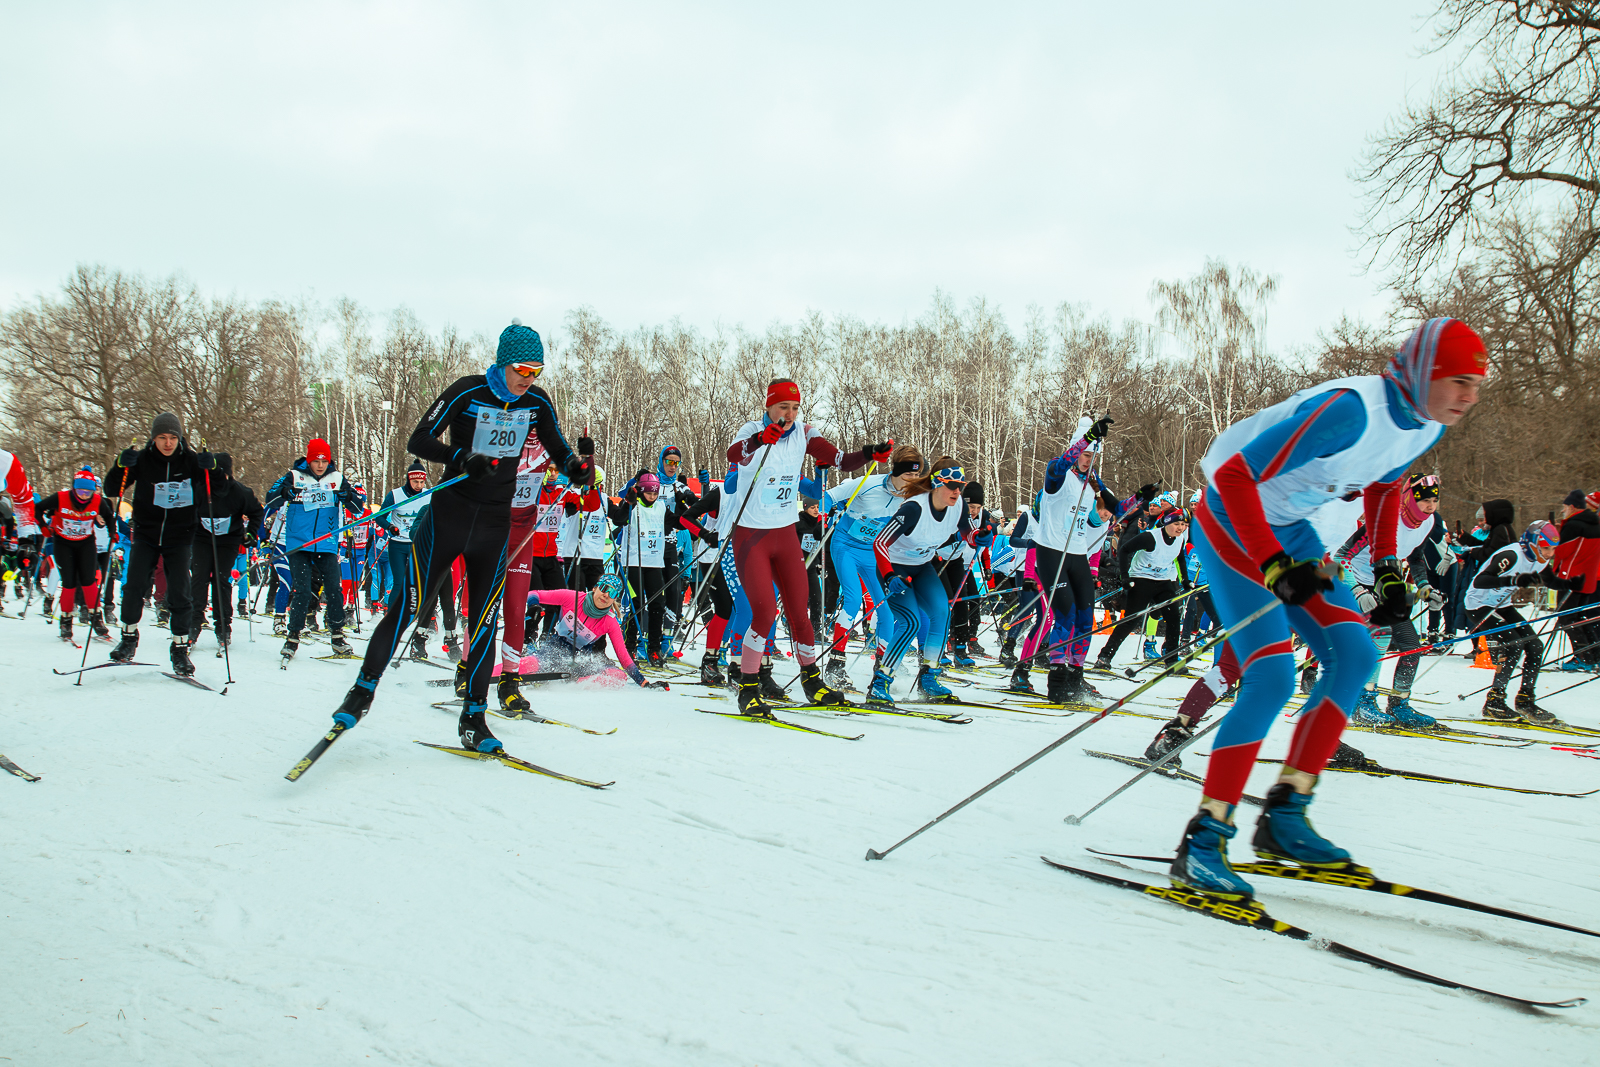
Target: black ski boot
83, 613
835, 675
509, 689
99, 625
1171, 736
66, 628
291, 645
818, 691
356, 701
975, 649
1019, 680
750, 702
163, 616
474, 729
1308, 676
1008, 649
1058, 690
1102, 662
182, 666
735, 675
419, 644
1079, 687
49, 608
126, 647
770, 689
1496, 709
461, 678
452, 646
710, 671
1526, 708
1348, 757
654, 660
340, 646
280, 626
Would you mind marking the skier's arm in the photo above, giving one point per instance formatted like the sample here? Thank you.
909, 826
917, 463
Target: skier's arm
383, 521
1323, 425
835, 497
1492, 575
904, 521
279, 493
252, 511
424, 442
1145, 540
45, 510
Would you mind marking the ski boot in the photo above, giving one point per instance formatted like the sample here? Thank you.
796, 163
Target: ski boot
944, 658
98, 623
280, 626
735, 675
1150, 652
1008, 650
452, 646
1019, 680
66, 628
1408, 717
1308, 676
1284, 832
1526, 708
770, 689
817, 690
49, 608
835, 675
126, 647
1202, 860
1433, 639
1172, 735
959, 658
182, 666
291, 645
163, 616
976, 649
419, 645
709, 674
1496, 709
340, 646
750, 702
1058, 689
356, 701
878, 691
1079, 688
83, 613
474, 729
930, 687
1576, 666
509, 690
1367, 712
1102, 662
1348, 757
224, 639
460, 679
243, 611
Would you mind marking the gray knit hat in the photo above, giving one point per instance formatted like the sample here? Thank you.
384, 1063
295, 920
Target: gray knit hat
166, 422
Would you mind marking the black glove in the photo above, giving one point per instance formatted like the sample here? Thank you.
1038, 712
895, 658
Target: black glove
709, 536
586, 445
1525, 580
579, 470
1098, 431
1148, 491
1291, 582
632, 495
129, 457
207, 460
1394, 595
658, 685
479, 466
879, 452
570, 508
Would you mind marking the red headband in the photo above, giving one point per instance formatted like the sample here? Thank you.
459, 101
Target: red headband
778, 392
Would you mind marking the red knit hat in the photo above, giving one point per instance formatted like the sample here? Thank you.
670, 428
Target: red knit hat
1593, 500
318, 449
780, 391
1460, 351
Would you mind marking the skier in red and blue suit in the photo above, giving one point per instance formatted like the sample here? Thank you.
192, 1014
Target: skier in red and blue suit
1266, 476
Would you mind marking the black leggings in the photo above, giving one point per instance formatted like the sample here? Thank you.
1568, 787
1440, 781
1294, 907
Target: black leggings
585, 572
307, 569
1143, 592
645, 583
206, 580
142, 559
544, 572
1509, 642
1403, 638
444, 530
1073, 595
963, 613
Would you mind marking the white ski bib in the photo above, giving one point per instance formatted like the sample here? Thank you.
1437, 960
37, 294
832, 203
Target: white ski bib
500, 433
173, 494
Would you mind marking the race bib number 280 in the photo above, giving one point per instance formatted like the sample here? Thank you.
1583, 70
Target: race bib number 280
500, 433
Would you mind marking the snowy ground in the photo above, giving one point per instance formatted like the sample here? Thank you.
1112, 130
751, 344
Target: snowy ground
169, 898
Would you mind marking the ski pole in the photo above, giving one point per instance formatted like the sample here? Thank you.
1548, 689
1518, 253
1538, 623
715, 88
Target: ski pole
1077, 820
1552, 663
217, 588
1473, 635
873, 854
375, 514
871, 469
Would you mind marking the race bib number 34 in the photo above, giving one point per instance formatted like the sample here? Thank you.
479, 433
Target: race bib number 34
500, 433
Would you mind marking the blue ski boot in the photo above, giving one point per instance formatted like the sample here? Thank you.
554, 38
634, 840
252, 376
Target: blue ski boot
1202, 860
930, 686
944, 658
1285, 833
1408, 717
961, 659
878, 691
1150, 652
474, 729
1367, 712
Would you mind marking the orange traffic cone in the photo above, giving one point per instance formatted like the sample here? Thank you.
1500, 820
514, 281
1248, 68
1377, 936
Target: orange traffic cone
1483, 659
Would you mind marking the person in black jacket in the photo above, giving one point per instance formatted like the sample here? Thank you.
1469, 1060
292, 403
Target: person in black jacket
230, 515
488, 417
1579, 522
164, 513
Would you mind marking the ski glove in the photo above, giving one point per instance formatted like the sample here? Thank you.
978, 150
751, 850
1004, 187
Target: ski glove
570, 508
1148, 491
1365, 599
1435, 597
1098, 431
878, 453
479, 466
129, 457
585, 444
1394, 595
579, 470
770, 434
892, 584
207, 460
1293, 582
709, 536
1525, 580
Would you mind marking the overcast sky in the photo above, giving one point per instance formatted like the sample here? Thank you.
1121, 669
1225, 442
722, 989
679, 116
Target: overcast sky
720, 162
